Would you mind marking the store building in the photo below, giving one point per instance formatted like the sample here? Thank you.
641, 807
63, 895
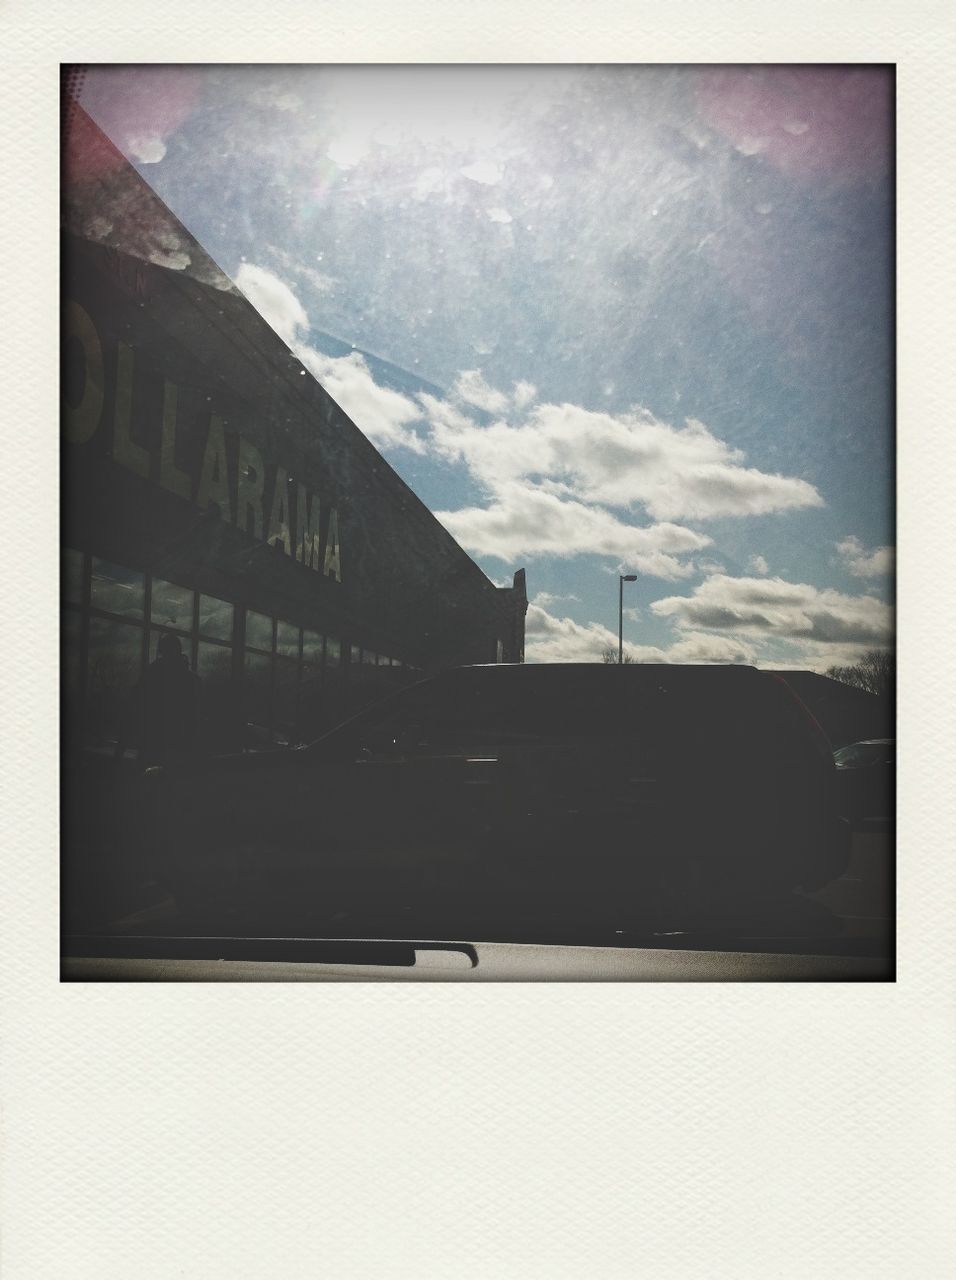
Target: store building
214, 490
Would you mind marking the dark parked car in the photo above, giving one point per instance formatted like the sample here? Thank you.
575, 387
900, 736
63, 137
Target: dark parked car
516, 802
866, 780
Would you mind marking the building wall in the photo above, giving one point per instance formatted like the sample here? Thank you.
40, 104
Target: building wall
213, 488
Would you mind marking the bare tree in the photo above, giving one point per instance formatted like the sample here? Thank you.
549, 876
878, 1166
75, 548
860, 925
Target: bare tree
609, 658
874, 673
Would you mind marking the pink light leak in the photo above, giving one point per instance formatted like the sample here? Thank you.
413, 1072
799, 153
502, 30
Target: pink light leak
133, 104
834, 122
86, 152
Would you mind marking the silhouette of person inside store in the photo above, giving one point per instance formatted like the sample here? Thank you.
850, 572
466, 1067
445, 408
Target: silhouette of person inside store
166, 707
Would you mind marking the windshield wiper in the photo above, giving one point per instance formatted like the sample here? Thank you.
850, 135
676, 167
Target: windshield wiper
358, 951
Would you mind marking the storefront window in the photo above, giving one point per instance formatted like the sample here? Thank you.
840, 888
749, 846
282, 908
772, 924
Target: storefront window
287, 640
215, 618
258, 631
117, 590
171, 606
184, 646
213, 662
312, 647
281, 689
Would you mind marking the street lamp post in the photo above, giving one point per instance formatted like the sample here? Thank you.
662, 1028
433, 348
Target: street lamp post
622, 578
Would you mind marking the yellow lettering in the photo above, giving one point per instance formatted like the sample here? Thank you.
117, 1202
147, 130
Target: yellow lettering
249, 485
332, 567
81, 421
307, 543
170, 477
279, 514
214, 477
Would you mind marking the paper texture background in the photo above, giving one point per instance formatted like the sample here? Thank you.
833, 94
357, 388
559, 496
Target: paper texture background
527, 1131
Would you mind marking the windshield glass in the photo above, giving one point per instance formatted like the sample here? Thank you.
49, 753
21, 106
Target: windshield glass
862, 754
375, 372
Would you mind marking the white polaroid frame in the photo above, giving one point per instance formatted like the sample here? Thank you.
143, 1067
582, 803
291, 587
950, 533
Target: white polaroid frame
231, 1132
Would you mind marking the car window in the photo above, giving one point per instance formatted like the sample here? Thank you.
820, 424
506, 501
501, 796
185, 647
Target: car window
405, 409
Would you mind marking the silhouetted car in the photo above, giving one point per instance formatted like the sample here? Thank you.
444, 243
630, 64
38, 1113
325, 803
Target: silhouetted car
866, 780
496, 798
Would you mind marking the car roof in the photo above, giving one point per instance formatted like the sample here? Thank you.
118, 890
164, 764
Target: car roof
600, 671
595, 678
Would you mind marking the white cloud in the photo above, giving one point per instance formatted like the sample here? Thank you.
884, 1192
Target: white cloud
523, 394
819, 621
553, 639
174, 259
274, 300
430, 182
381, 414
168, 249
500, 215
696, 646
147, 148
627, 460
485, 172
710, 566
751, 146
863, 563
274, 95
319, 280
551, 479
348, 151
544, 598
758, 564
524, 521
471, 387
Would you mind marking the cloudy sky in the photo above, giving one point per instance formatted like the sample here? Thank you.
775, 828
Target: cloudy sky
602, 320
